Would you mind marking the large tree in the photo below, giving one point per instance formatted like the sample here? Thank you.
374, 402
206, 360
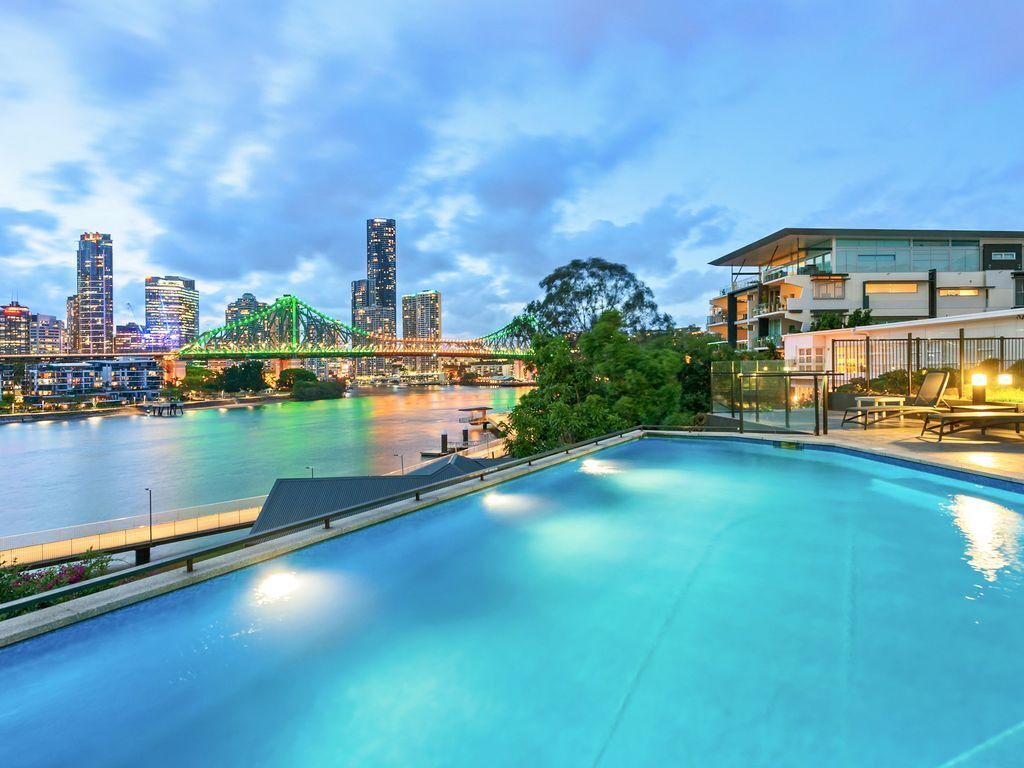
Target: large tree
576, 294
609, 381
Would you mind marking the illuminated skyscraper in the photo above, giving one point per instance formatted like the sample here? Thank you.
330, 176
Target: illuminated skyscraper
421, 315
71, 326
46, 335
95, 293
172, 311
360, 293
14, 329
243, 307
381, 276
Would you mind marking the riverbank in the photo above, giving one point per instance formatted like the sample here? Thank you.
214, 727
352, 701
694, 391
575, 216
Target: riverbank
131, 410
58, 474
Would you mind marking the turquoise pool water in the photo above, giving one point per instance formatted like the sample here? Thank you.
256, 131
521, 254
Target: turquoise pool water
661, 603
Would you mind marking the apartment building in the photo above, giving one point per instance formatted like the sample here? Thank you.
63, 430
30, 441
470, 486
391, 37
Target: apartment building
784, 282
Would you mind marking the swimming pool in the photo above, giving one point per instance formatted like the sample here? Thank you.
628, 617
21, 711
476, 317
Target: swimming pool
664, 602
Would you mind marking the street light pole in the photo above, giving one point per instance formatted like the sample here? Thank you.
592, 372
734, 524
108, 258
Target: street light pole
310, 471
401, 457
150, 492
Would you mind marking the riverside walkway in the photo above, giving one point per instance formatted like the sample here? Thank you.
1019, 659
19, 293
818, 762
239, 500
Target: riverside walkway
126, 534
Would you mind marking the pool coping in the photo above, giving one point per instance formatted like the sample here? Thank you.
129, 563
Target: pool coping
43, 620
812, 442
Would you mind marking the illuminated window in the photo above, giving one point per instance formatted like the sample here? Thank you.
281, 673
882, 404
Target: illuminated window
959, 291
829, 289
870, 288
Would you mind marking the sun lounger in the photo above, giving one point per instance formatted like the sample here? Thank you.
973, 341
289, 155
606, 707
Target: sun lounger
928, 400
943, 424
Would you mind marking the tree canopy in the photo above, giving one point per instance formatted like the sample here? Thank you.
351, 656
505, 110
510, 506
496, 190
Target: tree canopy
291, 376
577, 293
247, 376
608, 382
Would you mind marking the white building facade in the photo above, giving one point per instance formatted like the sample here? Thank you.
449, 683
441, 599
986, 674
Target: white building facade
789, 281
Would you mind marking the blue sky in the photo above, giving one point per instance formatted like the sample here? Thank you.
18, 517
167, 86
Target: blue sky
245, 144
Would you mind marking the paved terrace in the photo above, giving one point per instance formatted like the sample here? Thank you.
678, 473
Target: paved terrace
999, 453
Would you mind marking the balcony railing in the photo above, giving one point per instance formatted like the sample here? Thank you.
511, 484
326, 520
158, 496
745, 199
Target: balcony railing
715, 318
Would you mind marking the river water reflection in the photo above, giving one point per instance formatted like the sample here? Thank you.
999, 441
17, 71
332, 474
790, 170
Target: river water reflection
54, 474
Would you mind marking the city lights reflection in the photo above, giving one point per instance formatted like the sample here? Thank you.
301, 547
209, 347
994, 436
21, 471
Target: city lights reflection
276, 587
993, 534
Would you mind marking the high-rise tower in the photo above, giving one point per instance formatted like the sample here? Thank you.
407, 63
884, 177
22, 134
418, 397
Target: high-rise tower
381, 276
172, 311
95, 302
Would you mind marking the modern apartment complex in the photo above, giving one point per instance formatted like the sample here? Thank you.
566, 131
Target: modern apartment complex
421, 319
421, 315
15, 320
46, 335
94, 302
172, 311
783, 283
374, 299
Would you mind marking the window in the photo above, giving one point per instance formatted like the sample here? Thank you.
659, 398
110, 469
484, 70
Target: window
1018, 292
876, 262
870, 288
1004, 256
829, 289
959, 291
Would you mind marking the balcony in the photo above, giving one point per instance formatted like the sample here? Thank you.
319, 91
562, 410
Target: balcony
762, 342
715, 318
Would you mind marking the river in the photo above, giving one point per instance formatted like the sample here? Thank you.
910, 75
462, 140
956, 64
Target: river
54, 474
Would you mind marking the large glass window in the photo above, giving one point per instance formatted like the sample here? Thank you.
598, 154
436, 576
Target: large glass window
870, 288
959, 291
829, 289
1018, 292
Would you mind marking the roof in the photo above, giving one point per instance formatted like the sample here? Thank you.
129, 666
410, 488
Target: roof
994, 314
793, 239
293, 500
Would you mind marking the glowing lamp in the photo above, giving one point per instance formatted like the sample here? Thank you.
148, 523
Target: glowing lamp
978, 382
1004, 379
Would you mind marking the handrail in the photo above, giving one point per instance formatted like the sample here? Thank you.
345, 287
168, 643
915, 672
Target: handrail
188, 559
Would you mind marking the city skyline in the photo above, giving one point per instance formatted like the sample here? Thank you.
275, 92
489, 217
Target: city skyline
658, 144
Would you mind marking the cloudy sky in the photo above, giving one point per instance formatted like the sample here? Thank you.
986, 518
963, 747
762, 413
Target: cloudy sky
246, 144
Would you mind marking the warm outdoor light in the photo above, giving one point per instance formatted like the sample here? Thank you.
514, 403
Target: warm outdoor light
978, 394
1004, 379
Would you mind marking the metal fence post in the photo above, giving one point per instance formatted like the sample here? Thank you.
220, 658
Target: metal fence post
817, 416
739, 379
963, 366
910, 365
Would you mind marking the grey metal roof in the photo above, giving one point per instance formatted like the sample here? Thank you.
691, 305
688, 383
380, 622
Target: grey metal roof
791, 239
292, 500
454, 465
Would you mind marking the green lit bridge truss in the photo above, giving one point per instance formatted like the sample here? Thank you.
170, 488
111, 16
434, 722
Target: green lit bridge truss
290, 328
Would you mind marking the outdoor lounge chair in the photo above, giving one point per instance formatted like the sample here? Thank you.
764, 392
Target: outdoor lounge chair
944, 423
927, 400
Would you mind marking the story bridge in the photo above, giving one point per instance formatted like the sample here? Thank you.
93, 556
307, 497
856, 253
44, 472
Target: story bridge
291, 328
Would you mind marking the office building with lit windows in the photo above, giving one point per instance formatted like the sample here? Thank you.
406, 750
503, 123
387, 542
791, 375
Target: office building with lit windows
244, 306
15, 321
172, 311
46, 335
95, 298
787, 282
421, 315
381, 276
374, 299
